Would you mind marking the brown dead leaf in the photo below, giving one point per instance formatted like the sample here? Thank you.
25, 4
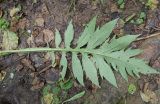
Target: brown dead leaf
1, 12
19, 67
39, 22
39, 39
30, 41
23, 23
37, 84
48, 35
114, 7
14, 25
28, 64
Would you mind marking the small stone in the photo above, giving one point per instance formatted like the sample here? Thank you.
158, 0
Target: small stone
11, 75
29, 31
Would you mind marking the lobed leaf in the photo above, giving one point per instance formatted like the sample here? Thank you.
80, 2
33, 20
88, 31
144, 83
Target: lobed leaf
77, 68
120, 43
89, 68
69, 35
105, 70
57, 38
63, 63
87, 33
101, 34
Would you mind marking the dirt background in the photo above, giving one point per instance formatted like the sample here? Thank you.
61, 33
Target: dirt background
41, 18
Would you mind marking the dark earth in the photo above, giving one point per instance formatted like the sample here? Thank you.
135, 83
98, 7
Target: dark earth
27, 74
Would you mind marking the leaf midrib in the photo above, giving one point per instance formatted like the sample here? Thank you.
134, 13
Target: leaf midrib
55, 50
77, 50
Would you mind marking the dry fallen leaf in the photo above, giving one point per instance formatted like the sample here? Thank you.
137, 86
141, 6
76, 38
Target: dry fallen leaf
13, 11
114, 7
48, 35
30, 41
2, 75
149, 96
28, 64
37, 84
144, 97
10, 40
48, 98
39, 22
39, 39
1, 12
23, 23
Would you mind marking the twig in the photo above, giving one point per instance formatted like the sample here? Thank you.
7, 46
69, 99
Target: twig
150, 36
43, 70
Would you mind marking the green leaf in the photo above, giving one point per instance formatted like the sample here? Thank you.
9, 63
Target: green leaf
66, 85
101, 34
56, 90
10, 40
69, 35
46, 89
89, 68
77, 96
77, 68
120, 43
99, 52
122, 71
105, 70
120, 2
63, 63
4, 24
57, 38
87, 33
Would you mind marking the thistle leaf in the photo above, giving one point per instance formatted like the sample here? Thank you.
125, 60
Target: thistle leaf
63, 63
57, 38
69, 35
99, 52
77, 68
89, 68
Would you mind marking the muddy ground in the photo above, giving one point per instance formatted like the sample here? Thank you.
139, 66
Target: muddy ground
27, 74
